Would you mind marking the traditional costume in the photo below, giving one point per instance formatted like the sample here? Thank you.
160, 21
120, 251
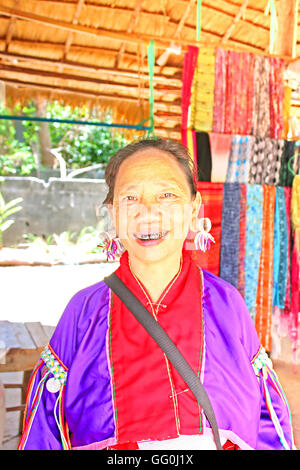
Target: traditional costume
103, 383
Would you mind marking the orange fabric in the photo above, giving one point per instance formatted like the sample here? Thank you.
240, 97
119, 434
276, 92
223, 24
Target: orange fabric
263, 316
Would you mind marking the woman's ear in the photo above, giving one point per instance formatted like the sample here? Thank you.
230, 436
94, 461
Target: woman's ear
196, 204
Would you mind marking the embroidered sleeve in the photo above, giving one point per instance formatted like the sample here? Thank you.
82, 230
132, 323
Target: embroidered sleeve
54, 365
274, 407
45, 405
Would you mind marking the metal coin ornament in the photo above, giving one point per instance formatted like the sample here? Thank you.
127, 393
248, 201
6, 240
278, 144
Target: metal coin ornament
53, 385
203, 238
111, 246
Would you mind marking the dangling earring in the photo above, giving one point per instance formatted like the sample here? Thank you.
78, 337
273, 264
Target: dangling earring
203, 238
112, 246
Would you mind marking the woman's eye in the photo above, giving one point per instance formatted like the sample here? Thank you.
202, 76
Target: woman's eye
168, 195
129, 198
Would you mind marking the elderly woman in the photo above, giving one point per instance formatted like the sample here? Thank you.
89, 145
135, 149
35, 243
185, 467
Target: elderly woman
103, 382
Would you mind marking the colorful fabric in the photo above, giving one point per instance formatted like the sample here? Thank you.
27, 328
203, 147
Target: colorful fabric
121, 389
219, 116
276, 82
287, 196
242, 238
286, 176
263, 317
220, 145
230, 233
202, 99
189, 65
212, 197
249, 94
253, 244
265, 161
239, 159
261, 107
281, 240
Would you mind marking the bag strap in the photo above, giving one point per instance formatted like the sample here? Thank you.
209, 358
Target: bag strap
169, 348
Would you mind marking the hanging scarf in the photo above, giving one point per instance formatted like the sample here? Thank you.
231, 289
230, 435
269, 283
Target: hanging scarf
219, 115
276, 97
261, 106
286, 176
229, 254
242, 239
212, 197
239, 159
189, 65
253, 244
220, 145
287, 196
202, 99
263, 318
265, 161
282, 240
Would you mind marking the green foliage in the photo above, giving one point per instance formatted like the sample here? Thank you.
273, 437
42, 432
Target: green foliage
81, 145
7, 209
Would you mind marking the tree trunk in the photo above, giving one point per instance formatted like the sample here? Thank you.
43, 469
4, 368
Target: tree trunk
47, 159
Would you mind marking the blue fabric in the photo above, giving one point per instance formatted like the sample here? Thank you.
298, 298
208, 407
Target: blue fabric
280, 257
254, 213
230, 233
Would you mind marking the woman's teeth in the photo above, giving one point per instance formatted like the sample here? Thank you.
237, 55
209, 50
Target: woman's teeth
152, 236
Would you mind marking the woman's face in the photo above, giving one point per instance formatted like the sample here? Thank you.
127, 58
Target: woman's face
153, 207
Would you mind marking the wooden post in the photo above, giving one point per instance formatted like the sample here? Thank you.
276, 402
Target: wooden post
286, 36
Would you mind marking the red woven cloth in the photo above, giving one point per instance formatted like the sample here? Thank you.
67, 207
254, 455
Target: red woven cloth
212, 198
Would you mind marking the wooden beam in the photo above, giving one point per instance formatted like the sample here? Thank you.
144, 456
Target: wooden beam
158, 105
89, 31
9, 32
105, 72
133, 22
74, 21
286, 37
115, 87
237, 18
160, 42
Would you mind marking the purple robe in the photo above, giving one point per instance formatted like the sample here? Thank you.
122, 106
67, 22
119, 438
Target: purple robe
247, 399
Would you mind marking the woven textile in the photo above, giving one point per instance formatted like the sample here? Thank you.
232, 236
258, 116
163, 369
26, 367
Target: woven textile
202, 99
239, 159
253, 244
249, 94
263, 318
242, 238
265, 161
280, 250
286, 176
230, 233
212, 197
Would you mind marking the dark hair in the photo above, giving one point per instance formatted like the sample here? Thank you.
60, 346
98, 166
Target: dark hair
167, 145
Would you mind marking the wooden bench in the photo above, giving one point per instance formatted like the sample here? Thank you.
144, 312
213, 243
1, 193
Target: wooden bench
20, 347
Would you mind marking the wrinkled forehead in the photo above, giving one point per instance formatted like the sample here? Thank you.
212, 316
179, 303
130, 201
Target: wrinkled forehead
153, 167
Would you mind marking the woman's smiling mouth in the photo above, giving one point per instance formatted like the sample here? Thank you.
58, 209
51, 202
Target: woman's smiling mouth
149, 239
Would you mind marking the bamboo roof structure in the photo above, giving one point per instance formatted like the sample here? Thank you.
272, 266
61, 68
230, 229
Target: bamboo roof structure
95, 51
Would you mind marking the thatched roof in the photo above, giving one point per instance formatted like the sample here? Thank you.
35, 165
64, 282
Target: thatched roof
95, 51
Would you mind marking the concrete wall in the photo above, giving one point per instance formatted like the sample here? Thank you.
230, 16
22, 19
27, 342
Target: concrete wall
52, 207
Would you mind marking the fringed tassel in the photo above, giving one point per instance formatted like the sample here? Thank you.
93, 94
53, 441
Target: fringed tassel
203, 240
60, 420
111, 248
265, 375
35, 403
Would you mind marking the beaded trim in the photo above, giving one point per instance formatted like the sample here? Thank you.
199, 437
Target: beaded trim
260, 360
54, 366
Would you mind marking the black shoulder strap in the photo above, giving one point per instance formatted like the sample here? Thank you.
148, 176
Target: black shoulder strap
169, 348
